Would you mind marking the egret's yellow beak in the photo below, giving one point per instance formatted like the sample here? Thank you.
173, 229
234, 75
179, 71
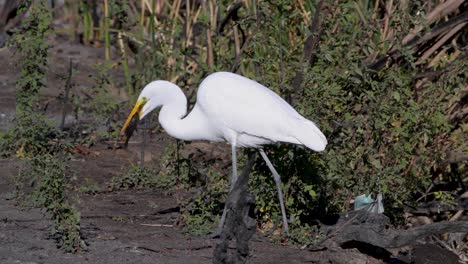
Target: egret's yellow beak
136, 109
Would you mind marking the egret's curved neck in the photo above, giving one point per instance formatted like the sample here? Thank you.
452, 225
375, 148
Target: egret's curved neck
171, 117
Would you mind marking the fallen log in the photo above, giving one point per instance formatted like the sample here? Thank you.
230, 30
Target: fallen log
240, 221
372, 228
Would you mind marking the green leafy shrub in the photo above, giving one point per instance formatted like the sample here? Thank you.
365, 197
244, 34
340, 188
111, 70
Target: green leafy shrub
50, 173
32, 46
202, 211
32, 134
89, 187
135, 177
34, 137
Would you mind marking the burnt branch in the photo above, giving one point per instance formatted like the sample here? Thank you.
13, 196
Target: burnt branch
310, 46
371, 228
232, 14
240, 220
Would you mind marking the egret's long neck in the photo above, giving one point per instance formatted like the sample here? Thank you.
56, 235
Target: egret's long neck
171, 117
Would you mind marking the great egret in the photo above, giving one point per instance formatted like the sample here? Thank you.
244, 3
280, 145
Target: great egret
233, 109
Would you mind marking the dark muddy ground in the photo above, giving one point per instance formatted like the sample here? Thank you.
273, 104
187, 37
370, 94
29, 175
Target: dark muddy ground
119, 226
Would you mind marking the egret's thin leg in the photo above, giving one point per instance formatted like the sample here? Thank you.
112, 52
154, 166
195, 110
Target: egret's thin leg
234, 166
233, 181
278, 187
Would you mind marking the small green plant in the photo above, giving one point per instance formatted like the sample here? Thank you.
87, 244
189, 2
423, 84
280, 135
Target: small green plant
203, 210
35, 138
31, 44
89, 187
31, 132
305, 235
176, 170
135, 177
50, 174
102, 103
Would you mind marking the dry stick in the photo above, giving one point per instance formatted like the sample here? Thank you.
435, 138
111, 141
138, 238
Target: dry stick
174, 13
68, 86
394, 54
236, 44
187, 27
438, 12
439, 43
457, 215
145, 132
126, 70
209, 41
157, 225
142, 15
388, 14
440, 55
309, 47
236, 63
431, 75
175, 9
305, 16
376, 8
214, 20
106, 30
231, 15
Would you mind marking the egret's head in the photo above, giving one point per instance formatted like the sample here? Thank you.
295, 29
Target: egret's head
137, 112
152, 96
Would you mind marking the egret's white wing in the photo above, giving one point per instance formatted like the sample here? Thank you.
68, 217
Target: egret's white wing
245, 106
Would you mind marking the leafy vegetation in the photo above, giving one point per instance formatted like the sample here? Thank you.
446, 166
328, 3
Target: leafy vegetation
34, 137
135, 177
31, 132
50, 172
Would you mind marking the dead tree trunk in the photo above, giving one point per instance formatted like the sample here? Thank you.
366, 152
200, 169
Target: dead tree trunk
371, 228
240, 220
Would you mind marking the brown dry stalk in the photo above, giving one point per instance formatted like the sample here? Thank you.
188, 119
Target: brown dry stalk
209, 44
214, 14
439, 56
305, 15
310, 45
190, 22
106, 29
236, 43
150, 9
439, 43
175, 9
187, 23
388, 15
142, 14
376, 8
440, 11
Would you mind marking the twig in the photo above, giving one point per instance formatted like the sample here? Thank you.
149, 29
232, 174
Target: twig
68, 86
157, 225
310, 45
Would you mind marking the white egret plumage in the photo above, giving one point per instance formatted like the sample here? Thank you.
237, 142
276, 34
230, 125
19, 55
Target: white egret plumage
233, 109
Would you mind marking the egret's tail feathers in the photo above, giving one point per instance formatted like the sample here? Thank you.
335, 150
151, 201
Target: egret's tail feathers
310, 135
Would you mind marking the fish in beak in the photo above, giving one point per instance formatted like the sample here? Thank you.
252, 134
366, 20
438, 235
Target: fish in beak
132, 120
